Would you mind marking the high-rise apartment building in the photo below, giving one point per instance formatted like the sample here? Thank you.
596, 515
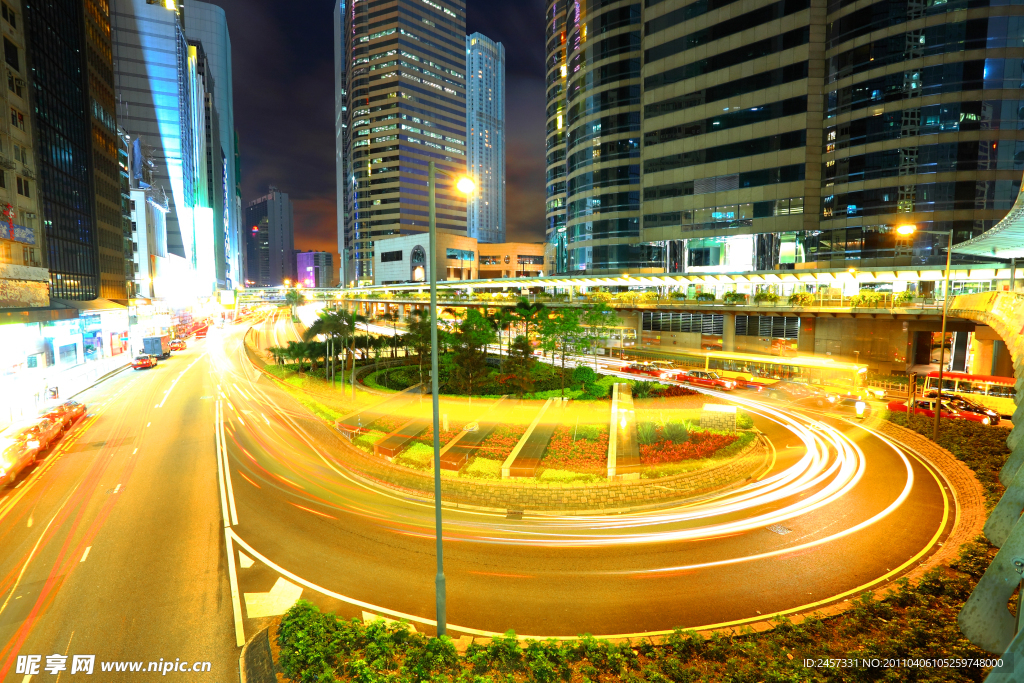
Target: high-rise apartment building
71, 89
270, 229
404, 77
206, 24
343, 173
485, 137
315, 268
758, 135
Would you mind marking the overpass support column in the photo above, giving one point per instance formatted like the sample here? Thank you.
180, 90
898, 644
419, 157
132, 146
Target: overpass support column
729, 332
401, 313
805, 339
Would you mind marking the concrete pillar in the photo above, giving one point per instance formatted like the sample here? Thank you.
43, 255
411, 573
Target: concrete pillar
805, 340
729, 332
1007, 511
401, 313
985, 619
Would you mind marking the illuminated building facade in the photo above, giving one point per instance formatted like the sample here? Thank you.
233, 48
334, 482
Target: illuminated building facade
405, 91
485, 137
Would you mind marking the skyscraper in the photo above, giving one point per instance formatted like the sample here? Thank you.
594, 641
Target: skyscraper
556, 70
406, 106
341, 155
485, 137
315, 268
778, 135
270, 225
207, 24
162, 83
68, 52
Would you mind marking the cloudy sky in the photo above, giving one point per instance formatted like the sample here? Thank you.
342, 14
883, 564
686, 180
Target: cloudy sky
283, 56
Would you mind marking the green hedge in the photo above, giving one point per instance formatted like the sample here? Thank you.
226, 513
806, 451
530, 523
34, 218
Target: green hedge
980, 447
911, 622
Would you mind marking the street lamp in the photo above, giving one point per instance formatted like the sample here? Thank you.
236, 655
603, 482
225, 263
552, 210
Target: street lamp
466, 186
910, 230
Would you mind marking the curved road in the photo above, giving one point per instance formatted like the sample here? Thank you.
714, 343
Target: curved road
115, 545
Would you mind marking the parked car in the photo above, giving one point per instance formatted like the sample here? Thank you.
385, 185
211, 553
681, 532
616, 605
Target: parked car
926, 407
705, 378
76, 409
143, 361
657, 368
18, 450
178, 345
66, 413
788, 390
45, 431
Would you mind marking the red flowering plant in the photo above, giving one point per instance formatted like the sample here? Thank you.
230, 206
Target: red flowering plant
447, 435
699, 445
499, 443
569, 450
389, 423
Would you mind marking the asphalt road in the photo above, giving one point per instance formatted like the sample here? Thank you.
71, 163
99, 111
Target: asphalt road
115, 544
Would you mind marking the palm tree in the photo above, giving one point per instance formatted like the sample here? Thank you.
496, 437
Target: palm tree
527, 312
279, 353
393, 319
502, 319
330, 324
294, 298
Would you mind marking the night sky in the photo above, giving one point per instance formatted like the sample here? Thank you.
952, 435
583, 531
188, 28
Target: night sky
283, 56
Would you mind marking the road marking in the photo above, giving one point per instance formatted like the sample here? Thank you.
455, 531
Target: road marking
135, 451
85, 554
117, 488
283, 595
175, 382
245, 560
220, 466
148, 423
236, 605
27, 678
227, 472
29, 525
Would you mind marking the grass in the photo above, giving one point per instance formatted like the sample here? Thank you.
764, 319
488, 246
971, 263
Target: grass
482, 468
910, 622
555, 476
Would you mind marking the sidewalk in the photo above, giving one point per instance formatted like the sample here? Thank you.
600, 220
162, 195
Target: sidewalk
28, 395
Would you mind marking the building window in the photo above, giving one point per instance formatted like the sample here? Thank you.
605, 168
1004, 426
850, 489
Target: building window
8, 15
11, 55
13, 85
390, 256
17, 119
531, 260
23, 188
460, 254
68, 354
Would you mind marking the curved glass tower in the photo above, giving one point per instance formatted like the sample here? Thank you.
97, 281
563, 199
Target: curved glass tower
555, 78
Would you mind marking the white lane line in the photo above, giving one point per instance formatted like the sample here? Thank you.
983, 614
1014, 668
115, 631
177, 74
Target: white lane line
220, 466
227, 472
117, 488
85, 554
27, 678
135, 451
29, 525
236, 604
175, 382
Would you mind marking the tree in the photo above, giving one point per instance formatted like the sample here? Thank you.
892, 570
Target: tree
517, 370
502, 320
470, 359
330, 324
563, 333
392, 318
527, 312
294, 298
597, 318
418, 337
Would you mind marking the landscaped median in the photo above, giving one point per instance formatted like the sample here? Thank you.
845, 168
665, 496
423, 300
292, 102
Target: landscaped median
912, 622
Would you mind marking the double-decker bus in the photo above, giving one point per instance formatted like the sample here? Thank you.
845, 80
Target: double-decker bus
755, 370
992, 392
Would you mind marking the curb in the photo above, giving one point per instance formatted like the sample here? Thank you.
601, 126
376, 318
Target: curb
100, 379
256, 662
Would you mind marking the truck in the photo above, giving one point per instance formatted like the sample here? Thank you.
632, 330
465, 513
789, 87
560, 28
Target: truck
157, 346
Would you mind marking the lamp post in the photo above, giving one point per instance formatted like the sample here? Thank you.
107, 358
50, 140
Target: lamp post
466, 186
910, 230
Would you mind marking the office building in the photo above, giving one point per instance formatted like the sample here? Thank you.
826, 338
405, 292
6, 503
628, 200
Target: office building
341, 156
76, 146
271, 236
404, 83
315, 269
206, 26
485, 137
162, 83
757, 135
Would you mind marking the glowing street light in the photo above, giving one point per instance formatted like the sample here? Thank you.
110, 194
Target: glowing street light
909, 229
466, 186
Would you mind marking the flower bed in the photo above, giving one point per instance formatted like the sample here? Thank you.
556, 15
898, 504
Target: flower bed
389, 423
699, 445
579, 455
499, 444
447, 435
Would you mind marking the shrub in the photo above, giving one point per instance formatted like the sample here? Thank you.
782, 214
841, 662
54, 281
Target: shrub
646, 432
705, 296
675, 391
676, 432
903, 298
582, 375
589, 432
766, 297
744, 421
801, 299
641, 388
677, 295
629, 296
867, 297
737, 298
600, 297
649, 297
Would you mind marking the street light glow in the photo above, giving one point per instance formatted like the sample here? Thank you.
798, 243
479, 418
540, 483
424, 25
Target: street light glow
909, 229
465, 185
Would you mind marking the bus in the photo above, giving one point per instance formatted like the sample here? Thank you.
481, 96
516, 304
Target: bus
996, 393
845, 379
